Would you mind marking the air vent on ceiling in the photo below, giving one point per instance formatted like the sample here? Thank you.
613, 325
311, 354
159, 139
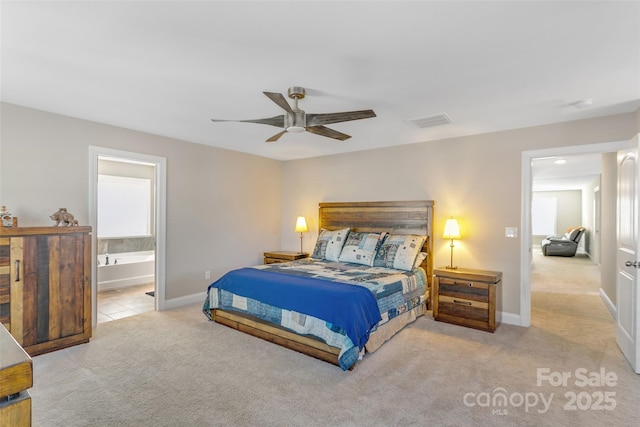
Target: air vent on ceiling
431, 121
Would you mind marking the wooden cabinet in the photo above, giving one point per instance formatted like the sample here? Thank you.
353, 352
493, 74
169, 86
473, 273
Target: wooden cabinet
283, 256
45, 286
468, 297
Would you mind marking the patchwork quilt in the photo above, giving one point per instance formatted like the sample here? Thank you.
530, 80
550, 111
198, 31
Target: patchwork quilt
395, 292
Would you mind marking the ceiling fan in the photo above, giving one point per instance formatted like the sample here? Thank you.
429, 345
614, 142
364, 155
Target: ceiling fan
296, 120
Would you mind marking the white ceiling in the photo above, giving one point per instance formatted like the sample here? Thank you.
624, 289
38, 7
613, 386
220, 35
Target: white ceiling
575, 173
168, 67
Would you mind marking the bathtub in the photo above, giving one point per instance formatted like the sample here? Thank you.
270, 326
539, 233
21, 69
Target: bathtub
126, 269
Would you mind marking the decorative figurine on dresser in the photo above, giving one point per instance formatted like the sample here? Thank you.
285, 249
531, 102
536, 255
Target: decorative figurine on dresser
7, 219
45, 286
64, 217
468, 297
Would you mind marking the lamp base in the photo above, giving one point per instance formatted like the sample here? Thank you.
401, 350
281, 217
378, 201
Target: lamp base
451, 266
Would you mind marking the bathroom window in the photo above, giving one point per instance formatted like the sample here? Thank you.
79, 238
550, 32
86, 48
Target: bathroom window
124, 206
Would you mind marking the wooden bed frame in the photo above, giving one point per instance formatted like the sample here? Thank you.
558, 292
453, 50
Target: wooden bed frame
402, 217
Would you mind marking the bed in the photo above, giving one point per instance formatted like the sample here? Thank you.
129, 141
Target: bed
364, 290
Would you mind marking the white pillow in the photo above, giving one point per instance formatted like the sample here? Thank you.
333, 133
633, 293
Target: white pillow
330, 243
361, 248
399, 251
421, 257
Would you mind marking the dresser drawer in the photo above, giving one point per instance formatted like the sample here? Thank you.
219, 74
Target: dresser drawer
474, 291
459, 307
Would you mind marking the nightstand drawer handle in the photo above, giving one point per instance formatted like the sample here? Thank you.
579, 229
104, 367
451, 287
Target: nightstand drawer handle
455, 301
463, 284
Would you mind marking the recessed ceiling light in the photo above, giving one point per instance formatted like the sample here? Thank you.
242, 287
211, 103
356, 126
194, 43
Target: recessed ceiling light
560, 162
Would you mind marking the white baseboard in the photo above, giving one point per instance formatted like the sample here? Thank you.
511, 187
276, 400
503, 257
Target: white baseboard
185, 300
511, 319
610, 305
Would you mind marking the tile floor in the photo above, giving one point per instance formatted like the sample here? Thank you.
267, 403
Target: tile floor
124, 302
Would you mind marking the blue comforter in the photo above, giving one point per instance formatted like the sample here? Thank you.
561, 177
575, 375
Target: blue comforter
350, 307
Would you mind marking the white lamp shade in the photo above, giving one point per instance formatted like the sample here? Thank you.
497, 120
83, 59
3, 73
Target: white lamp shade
451, 229
301, 225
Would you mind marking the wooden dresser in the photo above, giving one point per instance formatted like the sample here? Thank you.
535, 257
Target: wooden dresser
45, 286
16, 376
468, 297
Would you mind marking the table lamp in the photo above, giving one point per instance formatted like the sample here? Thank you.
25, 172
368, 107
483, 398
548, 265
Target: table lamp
301, 227
451, 231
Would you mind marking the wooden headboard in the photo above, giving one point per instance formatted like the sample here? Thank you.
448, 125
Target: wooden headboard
402, 217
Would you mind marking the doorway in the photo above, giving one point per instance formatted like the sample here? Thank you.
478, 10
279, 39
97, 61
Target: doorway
526, 248
129, 249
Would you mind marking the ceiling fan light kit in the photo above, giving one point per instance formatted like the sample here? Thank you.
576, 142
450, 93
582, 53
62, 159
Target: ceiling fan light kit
296, 120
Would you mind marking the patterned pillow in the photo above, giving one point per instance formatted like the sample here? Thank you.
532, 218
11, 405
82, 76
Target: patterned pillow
421, 257
330, 243
361, 248
399, 251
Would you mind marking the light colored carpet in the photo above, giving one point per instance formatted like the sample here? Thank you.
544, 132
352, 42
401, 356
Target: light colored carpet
565, 275
176, 368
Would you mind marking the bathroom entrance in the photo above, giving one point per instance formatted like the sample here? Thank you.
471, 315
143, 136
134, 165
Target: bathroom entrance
128, 207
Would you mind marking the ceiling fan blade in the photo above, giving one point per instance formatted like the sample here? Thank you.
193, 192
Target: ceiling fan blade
277, 121
276, 137
328, 118
325, 131
279, 99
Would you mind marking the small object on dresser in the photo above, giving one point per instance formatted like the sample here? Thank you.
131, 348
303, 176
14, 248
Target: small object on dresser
6, 219
64, 217
468, 297
282, 256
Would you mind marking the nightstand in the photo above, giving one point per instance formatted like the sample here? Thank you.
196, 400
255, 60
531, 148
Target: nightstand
468, 297
283, 256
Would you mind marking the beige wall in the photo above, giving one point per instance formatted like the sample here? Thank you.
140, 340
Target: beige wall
476, 179
223, 207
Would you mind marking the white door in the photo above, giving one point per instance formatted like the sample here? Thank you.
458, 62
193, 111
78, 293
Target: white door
628, 262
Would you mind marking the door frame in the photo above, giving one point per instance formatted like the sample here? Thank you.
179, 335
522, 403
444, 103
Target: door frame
160, 164
525, 214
